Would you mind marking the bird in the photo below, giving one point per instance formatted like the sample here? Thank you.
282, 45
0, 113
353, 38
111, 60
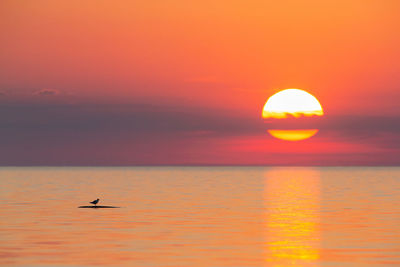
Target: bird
95, 202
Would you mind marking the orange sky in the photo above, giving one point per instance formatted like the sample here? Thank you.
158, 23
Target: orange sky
222, 58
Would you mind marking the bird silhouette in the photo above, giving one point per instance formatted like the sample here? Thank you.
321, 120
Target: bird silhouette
95, 202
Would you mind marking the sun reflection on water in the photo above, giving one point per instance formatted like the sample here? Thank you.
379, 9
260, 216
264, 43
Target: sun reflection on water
292, 216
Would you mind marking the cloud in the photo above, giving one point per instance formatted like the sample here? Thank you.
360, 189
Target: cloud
150, 119
47, 92
105, 134
160, 119
204, 79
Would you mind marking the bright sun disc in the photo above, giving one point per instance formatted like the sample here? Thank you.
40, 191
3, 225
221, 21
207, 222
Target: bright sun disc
295, 102
292, 103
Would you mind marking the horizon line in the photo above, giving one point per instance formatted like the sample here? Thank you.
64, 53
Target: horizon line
194, 165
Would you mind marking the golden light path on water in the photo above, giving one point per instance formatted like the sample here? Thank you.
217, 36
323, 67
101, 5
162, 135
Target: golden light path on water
292, 217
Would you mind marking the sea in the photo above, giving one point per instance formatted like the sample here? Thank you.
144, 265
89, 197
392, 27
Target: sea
200, 216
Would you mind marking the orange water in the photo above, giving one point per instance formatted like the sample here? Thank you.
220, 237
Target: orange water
203, 216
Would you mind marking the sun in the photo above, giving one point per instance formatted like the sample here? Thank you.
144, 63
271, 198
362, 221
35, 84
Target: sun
292, 104
295, 102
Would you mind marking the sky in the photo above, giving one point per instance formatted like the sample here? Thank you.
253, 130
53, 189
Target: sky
176, 82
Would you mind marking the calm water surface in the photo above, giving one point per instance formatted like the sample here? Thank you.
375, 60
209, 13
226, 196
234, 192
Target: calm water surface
206, 216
